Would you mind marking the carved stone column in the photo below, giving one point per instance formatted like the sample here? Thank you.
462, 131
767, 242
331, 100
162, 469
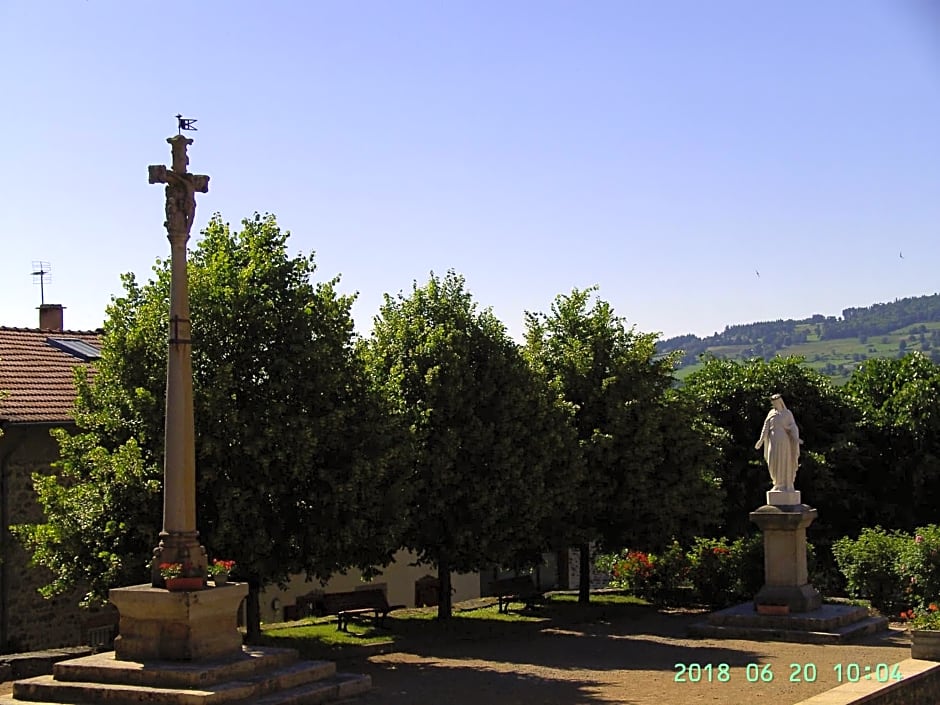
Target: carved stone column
786, 580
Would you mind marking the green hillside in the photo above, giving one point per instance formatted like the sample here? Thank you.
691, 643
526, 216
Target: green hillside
833, 345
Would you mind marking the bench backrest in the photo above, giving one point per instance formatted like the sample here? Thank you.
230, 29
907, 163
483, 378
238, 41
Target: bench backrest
334, 602
512, 586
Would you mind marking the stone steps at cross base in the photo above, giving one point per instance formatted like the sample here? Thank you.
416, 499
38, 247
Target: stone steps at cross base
841, 635
339, 687
303, 683
251, 663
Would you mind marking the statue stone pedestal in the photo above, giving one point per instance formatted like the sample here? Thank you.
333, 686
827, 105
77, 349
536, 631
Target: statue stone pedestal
159, 625
784, 498
786, 580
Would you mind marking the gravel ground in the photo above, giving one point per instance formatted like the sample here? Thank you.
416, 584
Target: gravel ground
631, 662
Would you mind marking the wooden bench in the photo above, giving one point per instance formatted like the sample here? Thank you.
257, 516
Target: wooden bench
519, 589
356, 604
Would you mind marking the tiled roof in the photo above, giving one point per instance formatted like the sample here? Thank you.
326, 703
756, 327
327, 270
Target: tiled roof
37, 376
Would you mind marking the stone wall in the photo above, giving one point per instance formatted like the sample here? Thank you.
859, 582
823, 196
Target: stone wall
27, 620
919, 686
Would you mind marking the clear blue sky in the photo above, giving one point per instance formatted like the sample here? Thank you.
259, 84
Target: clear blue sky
662, 150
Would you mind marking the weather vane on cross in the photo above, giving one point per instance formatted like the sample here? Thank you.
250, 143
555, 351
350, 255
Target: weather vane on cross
185, 124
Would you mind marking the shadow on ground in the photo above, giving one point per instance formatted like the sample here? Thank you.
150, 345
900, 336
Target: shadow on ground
648, 643
434, 682
606, 654
604, 637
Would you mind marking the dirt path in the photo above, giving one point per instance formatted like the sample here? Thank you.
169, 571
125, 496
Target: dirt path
630, 662
633, 663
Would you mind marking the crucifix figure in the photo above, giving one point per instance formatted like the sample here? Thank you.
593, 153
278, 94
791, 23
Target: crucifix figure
180, 188
179, 540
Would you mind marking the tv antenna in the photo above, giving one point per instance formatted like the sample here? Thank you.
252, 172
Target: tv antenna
41, 273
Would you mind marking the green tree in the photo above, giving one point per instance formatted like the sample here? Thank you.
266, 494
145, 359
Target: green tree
735, 397
492, 449
300, 468
899, 403
645, 455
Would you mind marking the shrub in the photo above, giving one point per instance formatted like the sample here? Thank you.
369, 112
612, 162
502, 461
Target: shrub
749, 560
711, 571
670, 570
870, 566
630, 570
918, 566
724, 573
824, 573
719, 571
927, 618
655, 576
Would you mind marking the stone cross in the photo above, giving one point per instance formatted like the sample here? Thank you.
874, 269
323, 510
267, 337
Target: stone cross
159, 624
179, 540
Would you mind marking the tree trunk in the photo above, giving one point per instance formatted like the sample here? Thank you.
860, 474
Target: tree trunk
584, 577
253, 611
444, 604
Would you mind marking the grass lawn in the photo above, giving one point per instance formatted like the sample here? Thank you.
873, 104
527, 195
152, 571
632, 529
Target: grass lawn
476, 619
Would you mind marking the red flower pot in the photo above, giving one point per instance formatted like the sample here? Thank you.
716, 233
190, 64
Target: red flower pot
182, 584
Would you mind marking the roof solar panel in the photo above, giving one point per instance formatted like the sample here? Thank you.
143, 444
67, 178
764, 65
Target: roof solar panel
76, 347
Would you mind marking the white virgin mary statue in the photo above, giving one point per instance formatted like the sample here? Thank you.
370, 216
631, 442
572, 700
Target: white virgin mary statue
781, 441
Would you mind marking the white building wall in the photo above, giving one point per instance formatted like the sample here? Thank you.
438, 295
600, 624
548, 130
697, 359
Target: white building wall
599, 579
398, 581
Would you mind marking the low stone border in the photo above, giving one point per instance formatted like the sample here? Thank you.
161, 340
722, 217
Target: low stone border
37, 663
920, 684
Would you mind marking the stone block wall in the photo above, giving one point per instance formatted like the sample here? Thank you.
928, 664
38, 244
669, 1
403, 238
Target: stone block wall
919, 686
29, 622
599, 579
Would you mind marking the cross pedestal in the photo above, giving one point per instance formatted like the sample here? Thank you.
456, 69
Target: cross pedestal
159, 625
786, 580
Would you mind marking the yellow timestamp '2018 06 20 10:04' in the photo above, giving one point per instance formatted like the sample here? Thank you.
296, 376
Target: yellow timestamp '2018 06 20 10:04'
798, 672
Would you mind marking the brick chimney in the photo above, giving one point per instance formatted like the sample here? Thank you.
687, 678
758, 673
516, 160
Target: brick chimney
51, 317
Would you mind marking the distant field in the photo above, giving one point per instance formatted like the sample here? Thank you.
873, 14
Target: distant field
840, 357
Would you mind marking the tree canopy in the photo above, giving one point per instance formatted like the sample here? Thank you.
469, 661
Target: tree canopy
646, 456
299, 467
736, 398
899, 404
491, 447
318, 451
